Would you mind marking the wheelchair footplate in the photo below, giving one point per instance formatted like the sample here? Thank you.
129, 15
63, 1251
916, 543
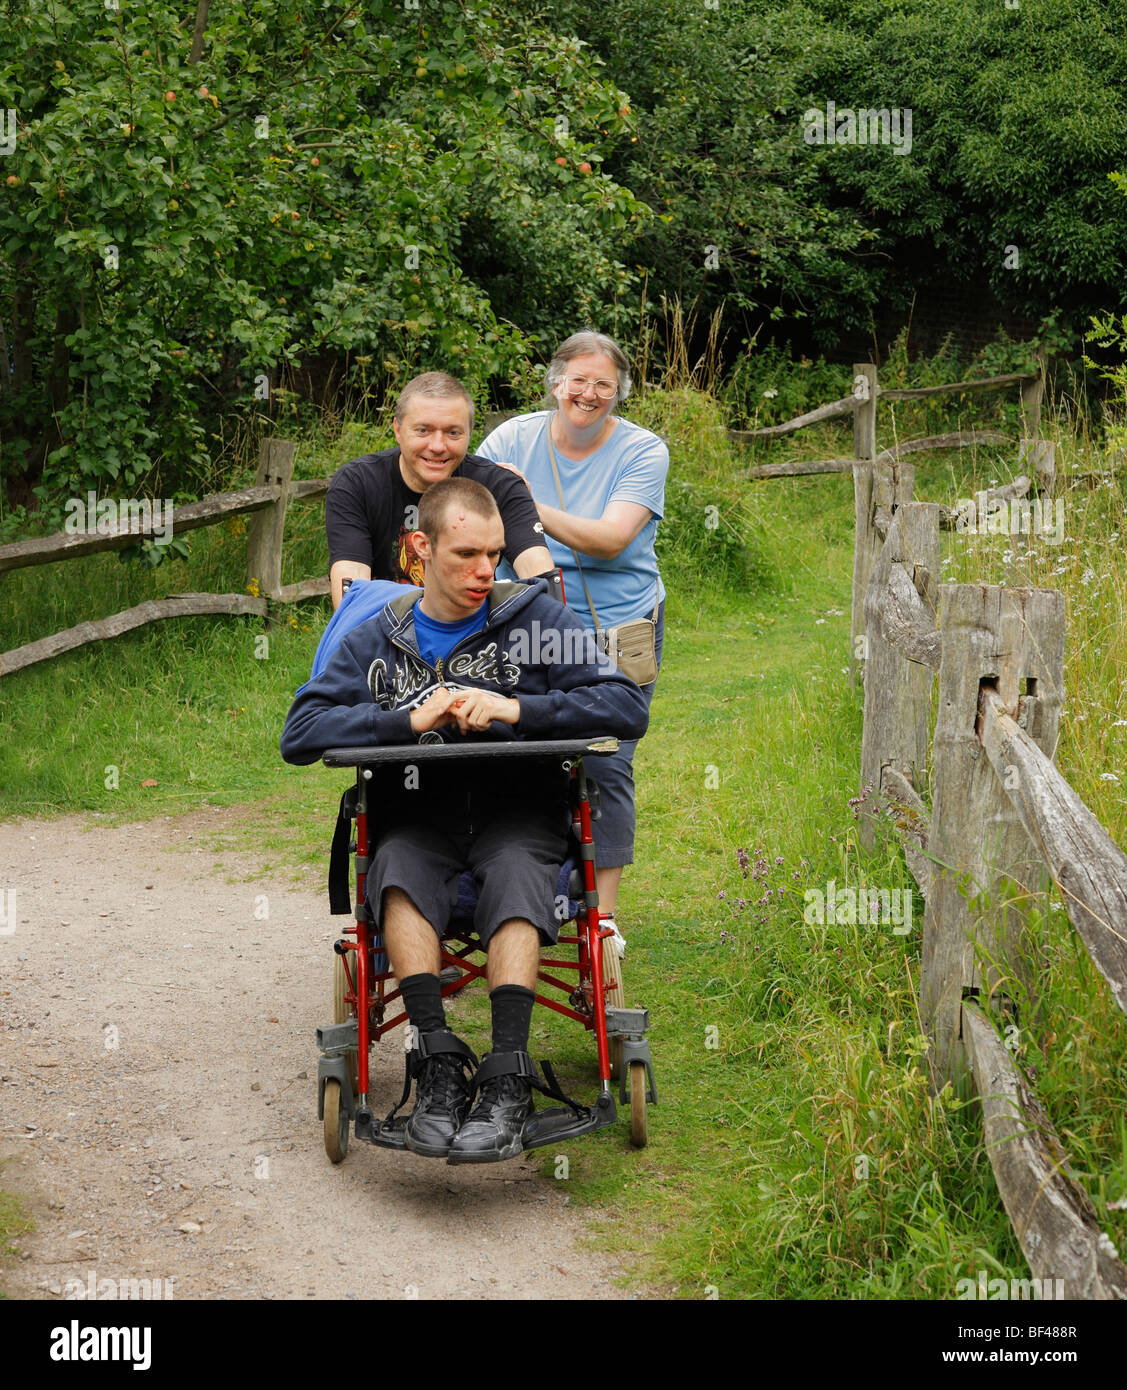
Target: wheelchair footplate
554, 1125
385, 1134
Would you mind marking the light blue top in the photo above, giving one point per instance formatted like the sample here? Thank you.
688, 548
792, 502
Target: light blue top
631, 466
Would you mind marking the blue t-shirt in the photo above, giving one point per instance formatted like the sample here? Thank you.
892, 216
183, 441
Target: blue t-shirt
436, 639
631, 466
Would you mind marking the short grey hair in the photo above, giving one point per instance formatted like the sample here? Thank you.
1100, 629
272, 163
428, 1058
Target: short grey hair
577, 346
438, 385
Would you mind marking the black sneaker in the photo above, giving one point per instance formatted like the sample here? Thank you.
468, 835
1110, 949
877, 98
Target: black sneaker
492, 1131
442, 1093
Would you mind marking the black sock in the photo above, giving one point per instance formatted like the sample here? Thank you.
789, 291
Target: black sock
512, 1017
422, 998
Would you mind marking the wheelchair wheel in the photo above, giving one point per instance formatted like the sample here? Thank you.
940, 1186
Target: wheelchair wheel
342, 1012
336, 1122
612, 974
638, 1123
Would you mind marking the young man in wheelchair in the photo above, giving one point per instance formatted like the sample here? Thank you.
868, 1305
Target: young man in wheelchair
468, 659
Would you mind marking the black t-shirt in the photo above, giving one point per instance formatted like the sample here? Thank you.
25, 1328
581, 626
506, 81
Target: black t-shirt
370, 512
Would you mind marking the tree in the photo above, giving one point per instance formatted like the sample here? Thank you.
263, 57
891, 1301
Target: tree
194, 205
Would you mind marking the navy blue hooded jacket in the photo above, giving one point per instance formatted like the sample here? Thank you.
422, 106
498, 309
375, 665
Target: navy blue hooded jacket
531, 647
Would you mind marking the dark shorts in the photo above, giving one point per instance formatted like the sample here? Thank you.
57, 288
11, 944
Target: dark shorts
613, 832
515, 862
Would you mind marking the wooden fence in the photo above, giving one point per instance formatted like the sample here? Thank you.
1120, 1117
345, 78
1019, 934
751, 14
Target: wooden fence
1002, 822
274, 489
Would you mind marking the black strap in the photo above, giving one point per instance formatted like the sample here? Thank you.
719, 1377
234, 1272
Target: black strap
521, 1064
554, 1089
439, 1041
340, 896
427, 1045
505, 1064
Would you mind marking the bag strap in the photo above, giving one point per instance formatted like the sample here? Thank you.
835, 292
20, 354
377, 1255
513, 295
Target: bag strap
578, 566
563, 508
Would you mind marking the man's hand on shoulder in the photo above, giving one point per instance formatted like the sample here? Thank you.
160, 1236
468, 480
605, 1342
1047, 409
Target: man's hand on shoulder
511, 467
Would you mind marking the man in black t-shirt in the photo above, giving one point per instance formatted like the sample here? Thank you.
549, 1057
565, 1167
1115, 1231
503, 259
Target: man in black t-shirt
372, 506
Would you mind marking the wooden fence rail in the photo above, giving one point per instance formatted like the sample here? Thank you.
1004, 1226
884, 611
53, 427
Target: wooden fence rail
1003, 824
267, 502
999, 823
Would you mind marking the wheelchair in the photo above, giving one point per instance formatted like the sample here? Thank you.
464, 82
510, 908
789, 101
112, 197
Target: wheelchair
586, 987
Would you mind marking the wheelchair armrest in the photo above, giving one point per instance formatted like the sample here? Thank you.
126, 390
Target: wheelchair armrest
454, 752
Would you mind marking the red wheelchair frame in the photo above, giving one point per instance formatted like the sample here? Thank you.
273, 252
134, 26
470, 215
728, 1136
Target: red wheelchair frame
622, 1050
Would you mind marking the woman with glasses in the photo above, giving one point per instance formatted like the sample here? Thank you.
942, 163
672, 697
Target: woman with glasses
599, 485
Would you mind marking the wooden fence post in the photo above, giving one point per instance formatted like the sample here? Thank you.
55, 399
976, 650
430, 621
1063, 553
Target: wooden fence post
866, 543
264, 538
1013, 641
1032, 398
1039, 458
898, 690
1034, 453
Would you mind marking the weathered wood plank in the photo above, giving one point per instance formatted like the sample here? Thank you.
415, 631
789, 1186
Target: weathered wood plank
905, 623
973, 924
1042, 454
986, 383
304, 588
950, 518
897, 693
1083, 859
1053, 1217
264, 539
1088, 480
178, 606
866, 542
799, 468
831, 411
960, 439
308, 487
65, 545
912, 822
1032, 398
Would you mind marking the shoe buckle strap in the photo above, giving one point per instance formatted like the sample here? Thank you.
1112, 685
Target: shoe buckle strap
439, 1043
496, 1064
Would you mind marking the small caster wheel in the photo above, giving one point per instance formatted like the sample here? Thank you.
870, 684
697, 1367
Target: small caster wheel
638, 1121
336, 1121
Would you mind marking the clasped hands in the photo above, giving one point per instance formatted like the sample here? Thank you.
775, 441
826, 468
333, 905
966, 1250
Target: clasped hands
471, 709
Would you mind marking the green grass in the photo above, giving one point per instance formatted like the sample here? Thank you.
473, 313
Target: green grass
15, 1221
795, 1151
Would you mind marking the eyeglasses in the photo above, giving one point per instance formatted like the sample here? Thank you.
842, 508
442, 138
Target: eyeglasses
576, 385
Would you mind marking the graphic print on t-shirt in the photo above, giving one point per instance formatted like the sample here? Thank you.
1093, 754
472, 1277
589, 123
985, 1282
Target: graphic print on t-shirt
407, 567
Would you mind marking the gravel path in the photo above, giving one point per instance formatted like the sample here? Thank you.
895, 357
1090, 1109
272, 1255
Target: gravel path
158, 1102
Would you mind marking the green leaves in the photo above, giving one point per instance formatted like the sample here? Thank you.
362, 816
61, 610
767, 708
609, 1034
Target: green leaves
177, 230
